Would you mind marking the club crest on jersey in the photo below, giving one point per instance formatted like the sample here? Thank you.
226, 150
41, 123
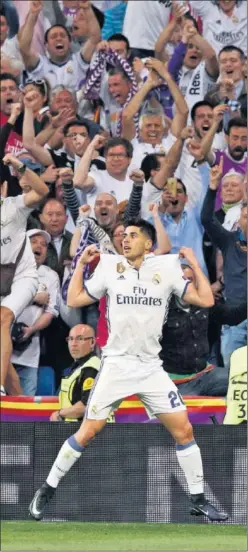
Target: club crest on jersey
156, 279
120, 268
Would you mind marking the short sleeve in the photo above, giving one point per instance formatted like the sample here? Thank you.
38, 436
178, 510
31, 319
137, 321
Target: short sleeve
39, 71
180, 284
96, 283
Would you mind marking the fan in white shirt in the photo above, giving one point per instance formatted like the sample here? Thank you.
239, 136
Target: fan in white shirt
38, 315
144, 22
14, 214
61, 67
9, 46
114, 180
224, 22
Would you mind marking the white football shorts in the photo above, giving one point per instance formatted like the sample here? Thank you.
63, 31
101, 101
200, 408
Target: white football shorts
121, 377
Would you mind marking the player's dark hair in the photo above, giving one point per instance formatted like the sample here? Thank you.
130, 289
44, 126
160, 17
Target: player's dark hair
76, 122
144, 226
149, 163
52, 27
203, 103
113, 142
9, 76
236, 122
231, 48
119, 37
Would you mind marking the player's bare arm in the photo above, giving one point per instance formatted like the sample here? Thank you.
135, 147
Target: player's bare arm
200, 292
77, 296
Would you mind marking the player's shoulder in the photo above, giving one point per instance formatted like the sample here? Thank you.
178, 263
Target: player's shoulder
163, 260
109, 261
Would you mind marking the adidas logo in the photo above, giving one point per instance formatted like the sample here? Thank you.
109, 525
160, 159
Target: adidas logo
121, 277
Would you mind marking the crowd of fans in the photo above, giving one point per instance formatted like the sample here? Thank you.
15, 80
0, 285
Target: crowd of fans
111, 110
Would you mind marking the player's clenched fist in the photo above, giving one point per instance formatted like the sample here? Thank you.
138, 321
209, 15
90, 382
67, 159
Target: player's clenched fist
137, 177
89, 254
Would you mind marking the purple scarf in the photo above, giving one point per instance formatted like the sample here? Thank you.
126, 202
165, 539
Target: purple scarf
93, 83
82, 245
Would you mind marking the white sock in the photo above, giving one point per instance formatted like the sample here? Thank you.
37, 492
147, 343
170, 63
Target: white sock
67, 456
189, 458
3, 392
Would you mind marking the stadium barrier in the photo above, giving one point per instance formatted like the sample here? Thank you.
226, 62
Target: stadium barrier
129, 473
201, 410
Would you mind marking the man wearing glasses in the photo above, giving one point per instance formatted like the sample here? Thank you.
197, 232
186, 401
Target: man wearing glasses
80, 376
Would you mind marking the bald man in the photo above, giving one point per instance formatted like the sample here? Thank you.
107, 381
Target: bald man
79, 378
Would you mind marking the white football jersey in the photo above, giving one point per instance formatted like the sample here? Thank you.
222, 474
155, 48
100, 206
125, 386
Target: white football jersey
14, 215
137, 301
49, 282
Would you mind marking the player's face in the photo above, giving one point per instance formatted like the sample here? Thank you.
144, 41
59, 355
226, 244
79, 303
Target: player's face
39, 248
152, 130
105, 210
203, 120
135, 243
237, 142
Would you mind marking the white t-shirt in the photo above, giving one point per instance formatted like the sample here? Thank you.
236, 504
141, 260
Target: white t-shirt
71, 74
189, 173
221, 30
232, 217
141, 149
48, 281
144, 21
121, 189
14, 216
137, 301
195, 84
11, 49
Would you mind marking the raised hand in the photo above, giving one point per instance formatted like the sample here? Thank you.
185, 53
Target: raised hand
66, 174
216, 174
188, 254
153, 208
10, 159
195, 149
89, 254
189, 32
50, 174
102, 46
85, 210
156, 65
98, 141
137, 176
219, 111
187, 132
30, 99
178, 12
16, 109
36, 6
153, 79
138, 65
